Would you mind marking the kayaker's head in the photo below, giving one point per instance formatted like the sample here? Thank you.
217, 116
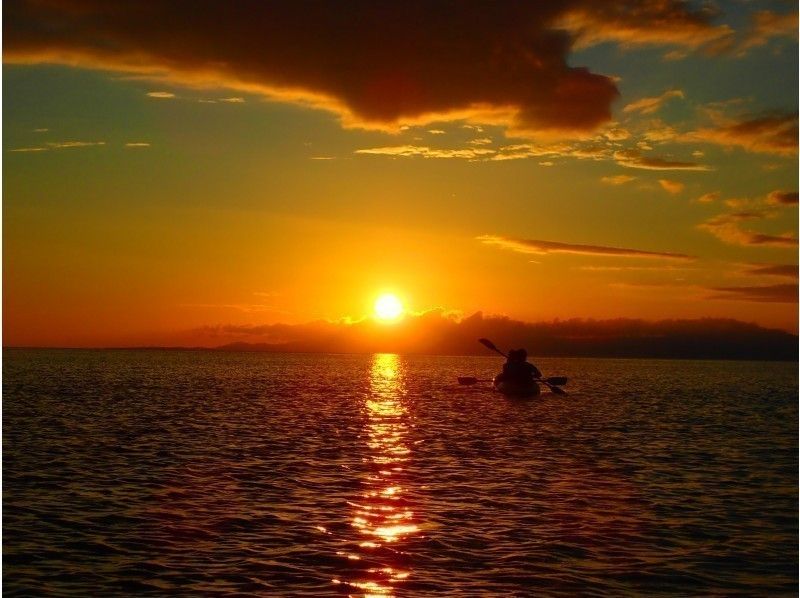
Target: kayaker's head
517, 355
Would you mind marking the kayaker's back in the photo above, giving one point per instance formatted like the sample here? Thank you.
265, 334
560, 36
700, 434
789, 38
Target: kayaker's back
519, 372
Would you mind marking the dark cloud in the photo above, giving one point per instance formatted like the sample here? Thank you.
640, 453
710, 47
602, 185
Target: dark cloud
376, 63
542, 247
775, 293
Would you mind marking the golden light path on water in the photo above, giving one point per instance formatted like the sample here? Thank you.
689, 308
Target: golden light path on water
382, 516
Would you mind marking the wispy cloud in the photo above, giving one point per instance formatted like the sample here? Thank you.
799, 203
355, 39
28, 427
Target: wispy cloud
659, 268
783, 270
726, 227
436, 132
71, 144
709, 197
522, 151
657, 131
164, 95
619, 179
651, 105
673, 187
659, 23
29, 149
634, 159
782, 198
775, 293
137, 144
533, 246
230, 100
57, 145
766, 25
475, 152
616, 134
427, 152
249, 308
770, 134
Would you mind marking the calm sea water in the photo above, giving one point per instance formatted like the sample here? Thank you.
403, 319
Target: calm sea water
200, 473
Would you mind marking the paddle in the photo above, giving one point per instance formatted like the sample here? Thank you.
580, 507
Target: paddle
555, 389
491, 346
468, 380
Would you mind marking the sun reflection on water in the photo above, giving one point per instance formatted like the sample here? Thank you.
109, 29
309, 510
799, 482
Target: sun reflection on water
382, 515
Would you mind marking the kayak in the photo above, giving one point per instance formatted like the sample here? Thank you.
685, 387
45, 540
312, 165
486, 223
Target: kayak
516, 389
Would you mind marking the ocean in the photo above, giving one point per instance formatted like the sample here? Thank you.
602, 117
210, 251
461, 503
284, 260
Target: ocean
254, 474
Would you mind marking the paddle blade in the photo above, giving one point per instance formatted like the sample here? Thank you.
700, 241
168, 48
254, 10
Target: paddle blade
559, 380
558, 390
490, 345
465, 380
487, 343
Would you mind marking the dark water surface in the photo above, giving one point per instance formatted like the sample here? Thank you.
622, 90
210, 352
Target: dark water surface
201, 473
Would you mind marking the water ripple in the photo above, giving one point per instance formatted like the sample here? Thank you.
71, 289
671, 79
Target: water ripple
250, 474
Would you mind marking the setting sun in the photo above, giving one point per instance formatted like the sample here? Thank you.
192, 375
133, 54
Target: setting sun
391, 282
388, 307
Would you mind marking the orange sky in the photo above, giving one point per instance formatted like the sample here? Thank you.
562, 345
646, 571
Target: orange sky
166, 176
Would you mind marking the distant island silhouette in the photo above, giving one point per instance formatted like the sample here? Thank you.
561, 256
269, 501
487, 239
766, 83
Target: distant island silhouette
435, 333
438, 333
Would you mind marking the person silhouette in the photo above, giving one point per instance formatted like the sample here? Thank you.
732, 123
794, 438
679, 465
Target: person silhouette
518, 370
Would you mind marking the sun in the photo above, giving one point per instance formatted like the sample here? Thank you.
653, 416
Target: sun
388, 308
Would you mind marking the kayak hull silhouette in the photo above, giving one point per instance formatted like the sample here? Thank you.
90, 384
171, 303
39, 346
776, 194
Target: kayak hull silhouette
516, 389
